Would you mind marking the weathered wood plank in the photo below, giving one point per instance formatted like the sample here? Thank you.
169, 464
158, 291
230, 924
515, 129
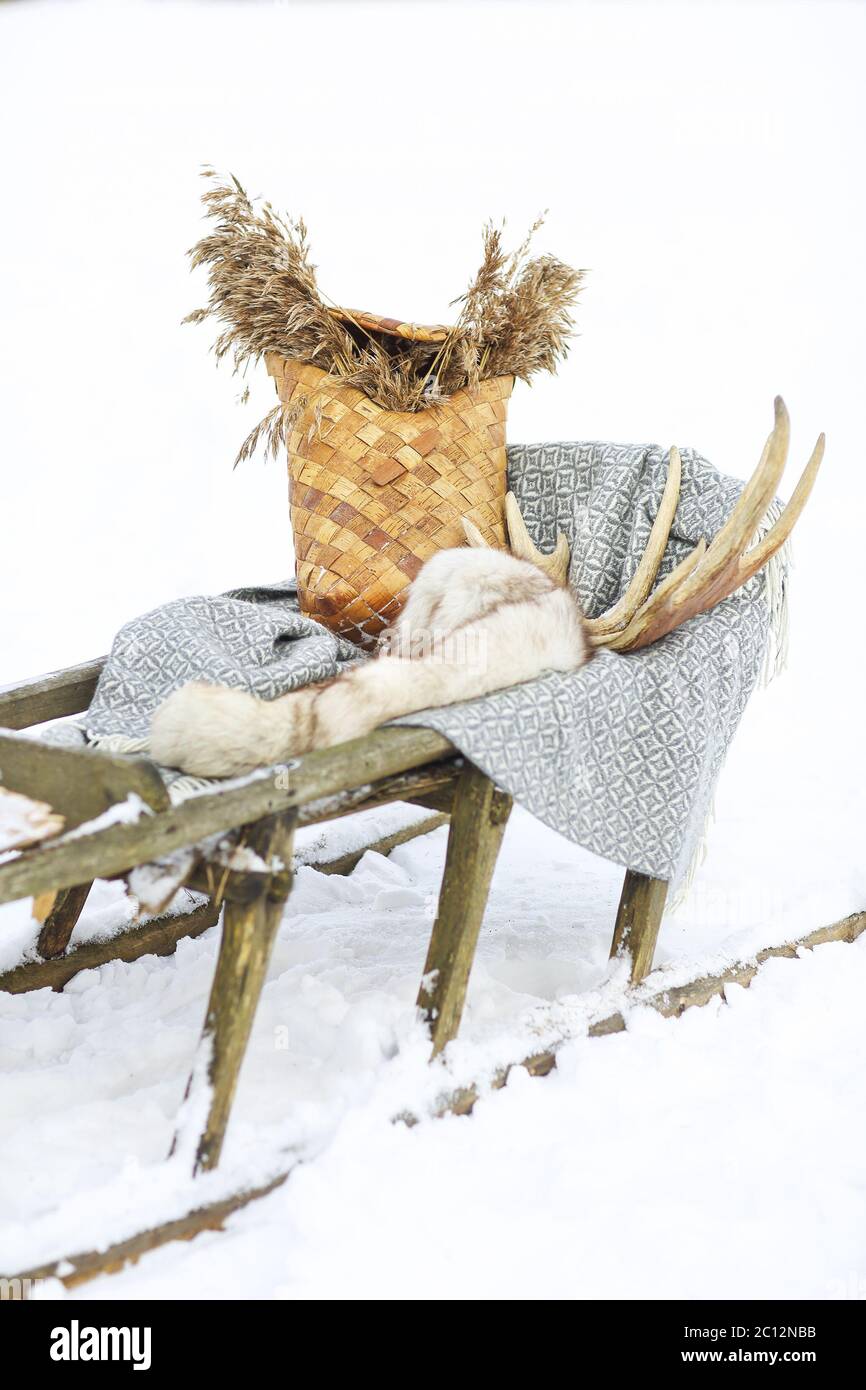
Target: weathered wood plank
478, 819
248, 935
355, 765
206, 876
77, 1269
158, 937
52, 696
439, 798
60, 922
79, 783
431, 787
638, 918
345, 863
207, 872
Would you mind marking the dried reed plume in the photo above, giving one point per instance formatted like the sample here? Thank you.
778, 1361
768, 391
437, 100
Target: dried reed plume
514, 318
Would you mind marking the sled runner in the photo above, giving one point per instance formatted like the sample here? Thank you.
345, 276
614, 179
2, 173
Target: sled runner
234, 846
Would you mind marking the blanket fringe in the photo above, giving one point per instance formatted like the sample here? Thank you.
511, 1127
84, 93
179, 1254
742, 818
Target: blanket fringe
684, 887
776, 578
179, 786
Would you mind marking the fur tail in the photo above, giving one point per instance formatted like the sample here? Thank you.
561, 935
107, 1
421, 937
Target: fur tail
212, 731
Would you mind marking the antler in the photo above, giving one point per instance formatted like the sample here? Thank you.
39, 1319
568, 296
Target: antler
519, 543
644, 576
708, 574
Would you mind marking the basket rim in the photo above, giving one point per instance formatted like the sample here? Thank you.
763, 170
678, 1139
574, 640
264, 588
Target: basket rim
336, 386
394, 328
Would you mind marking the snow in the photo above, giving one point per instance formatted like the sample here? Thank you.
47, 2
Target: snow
698, 159
23, 822
742, 1113
126, 812
316, 844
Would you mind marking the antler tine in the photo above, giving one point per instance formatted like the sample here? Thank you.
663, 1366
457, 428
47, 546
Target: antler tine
622, 612
473, 535
731, 540
519, 543
626, 639
698, 586
775, 538
673, 602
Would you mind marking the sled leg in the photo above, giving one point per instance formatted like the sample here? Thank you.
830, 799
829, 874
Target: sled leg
638, 919
254, 905
58, 918
478, 819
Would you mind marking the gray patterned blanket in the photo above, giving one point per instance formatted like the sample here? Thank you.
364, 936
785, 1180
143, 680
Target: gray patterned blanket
620, 757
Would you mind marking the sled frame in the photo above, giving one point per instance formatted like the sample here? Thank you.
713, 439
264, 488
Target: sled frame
259, 813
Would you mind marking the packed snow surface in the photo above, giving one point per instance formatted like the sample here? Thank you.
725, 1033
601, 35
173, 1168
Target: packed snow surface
742, 1112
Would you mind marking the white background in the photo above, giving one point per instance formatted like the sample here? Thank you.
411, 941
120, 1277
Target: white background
702, 161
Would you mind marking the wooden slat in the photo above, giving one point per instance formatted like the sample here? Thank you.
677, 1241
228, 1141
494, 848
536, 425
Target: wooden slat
431, 787
345, 863
158, 937
106, 853
478, 822
90, 1263
60, 922
638, 918
79, 783
213, 870
248, 934
53, 696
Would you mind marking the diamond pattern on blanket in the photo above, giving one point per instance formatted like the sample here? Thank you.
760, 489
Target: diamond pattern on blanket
620, 757
254, 639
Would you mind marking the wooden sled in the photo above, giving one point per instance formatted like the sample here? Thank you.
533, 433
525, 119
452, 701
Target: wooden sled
234, 845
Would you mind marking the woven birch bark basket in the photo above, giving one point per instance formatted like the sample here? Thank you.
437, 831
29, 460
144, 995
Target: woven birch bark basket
374, 493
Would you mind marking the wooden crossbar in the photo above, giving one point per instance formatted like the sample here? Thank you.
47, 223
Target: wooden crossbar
54, 696
349, 767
